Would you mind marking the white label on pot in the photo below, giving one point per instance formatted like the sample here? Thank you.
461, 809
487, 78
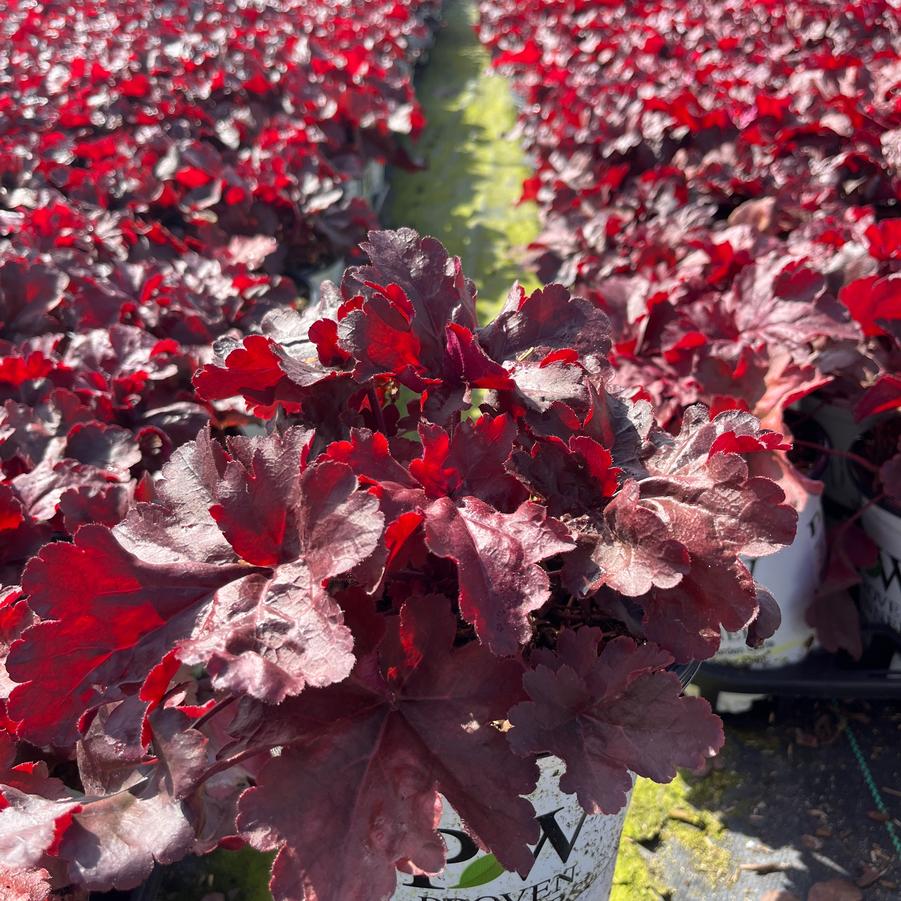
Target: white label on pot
574, 858
880, 590
792, 575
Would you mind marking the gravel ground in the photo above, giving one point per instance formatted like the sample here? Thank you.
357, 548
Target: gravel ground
784, 807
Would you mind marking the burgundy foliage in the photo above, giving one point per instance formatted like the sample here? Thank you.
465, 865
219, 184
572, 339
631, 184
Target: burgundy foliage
168, 177
724, 181
344, 611
620, 700
211, 130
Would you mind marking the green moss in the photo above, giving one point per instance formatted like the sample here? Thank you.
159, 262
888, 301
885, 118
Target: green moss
710, 791
649, 809
665, 815
636, 875
242, 875
707, 856
637, 878
467, 195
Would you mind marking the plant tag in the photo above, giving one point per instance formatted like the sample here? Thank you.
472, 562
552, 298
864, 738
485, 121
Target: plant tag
574, 858
880, 590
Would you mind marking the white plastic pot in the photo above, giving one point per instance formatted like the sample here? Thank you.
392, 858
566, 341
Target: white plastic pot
792, 575
880, 590
330, 273
574, 858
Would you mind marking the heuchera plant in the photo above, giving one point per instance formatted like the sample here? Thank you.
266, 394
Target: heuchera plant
456, 548
725, 184
729, 228
162, 172
207, 122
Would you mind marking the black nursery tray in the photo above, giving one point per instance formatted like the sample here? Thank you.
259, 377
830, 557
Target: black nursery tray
819, 675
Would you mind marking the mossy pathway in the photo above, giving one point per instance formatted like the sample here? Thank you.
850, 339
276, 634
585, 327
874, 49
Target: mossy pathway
467, 194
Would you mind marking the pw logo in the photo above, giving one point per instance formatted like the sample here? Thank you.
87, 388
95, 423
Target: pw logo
889, 570
551, 834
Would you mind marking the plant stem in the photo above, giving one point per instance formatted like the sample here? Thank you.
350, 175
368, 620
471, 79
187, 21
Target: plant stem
835, 452
872, 502
376, 409
228, 762
216, 708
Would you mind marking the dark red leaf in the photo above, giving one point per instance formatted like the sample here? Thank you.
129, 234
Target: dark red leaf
629, 548
717, 512
31, 825
252, 370
574, 478
115, 840
268, 634
470, 462
548, 318
98, 578
883, 395
767, 621
497, 556
890, 477
430, 280
382, 745
833, 611
610, 715
885, 239
873, 301
15, 617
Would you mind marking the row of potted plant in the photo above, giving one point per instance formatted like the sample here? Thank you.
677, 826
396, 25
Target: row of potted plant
723, 179
459, 559
110, 297
171, 171
206, 122
461, 563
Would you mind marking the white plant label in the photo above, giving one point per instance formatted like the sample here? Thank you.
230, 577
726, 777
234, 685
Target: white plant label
792, 576
574, 858
880, 590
